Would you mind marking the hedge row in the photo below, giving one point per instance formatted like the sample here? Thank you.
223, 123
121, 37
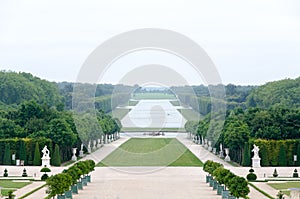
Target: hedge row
23, 148
274, 152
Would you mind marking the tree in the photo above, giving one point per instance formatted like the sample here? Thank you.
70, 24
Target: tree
56, 161
236, 134
7, 155
37, 155
59, 183
282, 156
298, 154
220, 174
239, 187
22, 152
246, 157
264, 156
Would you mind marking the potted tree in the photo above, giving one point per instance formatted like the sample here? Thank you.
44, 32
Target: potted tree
58, 184
239, 187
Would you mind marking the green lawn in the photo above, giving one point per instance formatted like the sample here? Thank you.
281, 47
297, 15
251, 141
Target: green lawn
175, 103
119, 113
151, 152
141, 96
11, 185
132, 103
190, 114
284, 186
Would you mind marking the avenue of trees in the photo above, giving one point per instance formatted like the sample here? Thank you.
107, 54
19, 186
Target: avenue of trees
32, 112
268, 116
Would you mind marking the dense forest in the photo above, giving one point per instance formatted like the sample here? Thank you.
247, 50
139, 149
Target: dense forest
34, 111
267, 115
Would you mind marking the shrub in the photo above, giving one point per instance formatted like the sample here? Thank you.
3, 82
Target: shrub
44, 177
251, 177
37, 155
5, 173
24, 174
275, 174
295, 174
56, 161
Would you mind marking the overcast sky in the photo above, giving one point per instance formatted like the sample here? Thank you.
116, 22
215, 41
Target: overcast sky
250, 42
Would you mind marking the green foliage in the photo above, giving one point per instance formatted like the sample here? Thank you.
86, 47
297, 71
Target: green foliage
275, 174
210, 166
59, 183
246, 157
295, 174
282, 156
37, 155
56, 161
285, 93
22, 152
5, 174
45, 170
24, 174
220, 174
44, 177
16, 88
238, 187
251, 177
7, 155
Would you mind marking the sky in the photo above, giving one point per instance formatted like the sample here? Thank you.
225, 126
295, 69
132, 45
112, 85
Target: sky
250, 42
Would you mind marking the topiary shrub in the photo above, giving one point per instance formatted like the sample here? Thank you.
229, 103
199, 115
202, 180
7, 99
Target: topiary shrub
24, 174
251, 176
295, 174
275, 174
5, 173
45, 175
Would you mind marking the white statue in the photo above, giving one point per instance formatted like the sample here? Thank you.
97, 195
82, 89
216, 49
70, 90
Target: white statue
46, 152
255, 150
46, 157
256, 158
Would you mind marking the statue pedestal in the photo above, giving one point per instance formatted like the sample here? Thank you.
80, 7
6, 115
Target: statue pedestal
74, 158
46, 161
81, 153
256, 162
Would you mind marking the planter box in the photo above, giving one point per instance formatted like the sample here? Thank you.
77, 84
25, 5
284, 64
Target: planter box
74, 189
68, 194
207, 178
84, 182
215, 185
220, 189
225, 194
80, 186
211, 181
88, 178
61, 197
230, 197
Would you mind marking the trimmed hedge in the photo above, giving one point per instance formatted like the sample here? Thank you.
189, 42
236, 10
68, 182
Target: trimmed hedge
15, 145
277, 152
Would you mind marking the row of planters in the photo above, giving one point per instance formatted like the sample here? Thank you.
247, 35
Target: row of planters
225, 182
67, 183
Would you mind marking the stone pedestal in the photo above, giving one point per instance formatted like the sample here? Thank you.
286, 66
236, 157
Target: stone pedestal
89, 147
256, 162
74, 158
227, 158
205, 143
209, 146
46, 162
